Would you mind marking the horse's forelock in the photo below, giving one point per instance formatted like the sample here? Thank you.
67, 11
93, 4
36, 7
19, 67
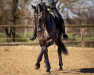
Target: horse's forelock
41, 7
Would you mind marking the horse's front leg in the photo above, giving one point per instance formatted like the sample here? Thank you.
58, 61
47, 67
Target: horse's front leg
39, 58
46, 60
43, 51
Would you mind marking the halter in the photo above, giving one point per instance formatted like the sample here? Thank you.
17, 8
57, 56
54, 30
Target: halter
39, 13
38, 16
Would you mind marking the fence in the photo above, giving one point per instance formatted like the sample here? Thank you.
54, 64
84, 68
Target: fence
29, 26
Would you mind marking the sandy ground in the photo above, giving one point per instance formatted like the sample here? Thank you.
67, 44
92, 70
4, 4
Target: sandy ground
20, 60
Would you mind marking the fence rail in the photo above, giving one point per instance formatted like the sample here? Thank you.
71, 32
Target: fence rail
34, 44
30, 26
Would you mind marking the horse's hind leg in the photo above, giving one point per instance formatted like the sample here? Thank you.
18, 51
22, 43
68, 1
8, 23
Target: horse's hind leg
60, 58
46, 59
59, 54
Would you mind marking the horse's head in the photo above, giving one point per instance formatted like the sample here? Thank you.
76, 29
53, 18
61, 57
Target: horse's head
39, 14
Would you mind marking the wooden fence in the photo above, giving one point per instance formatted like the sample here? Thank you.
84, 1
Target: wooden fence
29, 26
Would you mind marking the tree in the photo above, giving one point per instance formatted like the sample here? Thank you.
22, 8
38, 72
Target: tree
10, 32
1, 11
8, 15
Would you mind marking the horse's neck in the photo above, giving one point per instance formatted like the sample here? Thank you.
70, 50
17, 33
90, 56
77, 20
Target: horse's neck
50, 18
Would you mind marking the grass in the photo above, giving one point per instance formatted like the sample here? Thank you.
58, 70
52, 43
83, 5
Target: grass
79, 38
2, 37
70, 36
20, 38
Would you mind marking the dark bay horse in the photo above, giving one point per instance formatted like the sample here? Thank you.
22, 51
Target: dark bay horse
47, 33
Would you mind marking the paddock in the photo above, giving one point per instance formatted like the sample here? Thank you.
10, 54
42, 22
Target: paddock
20, 60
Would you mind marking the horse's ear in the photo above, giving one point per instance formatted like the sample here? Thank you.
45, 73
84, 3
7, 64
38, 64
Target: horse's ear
33, 7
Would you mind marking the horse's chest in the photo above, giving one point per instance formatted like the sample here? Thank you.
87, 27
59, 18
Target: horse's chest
43, 35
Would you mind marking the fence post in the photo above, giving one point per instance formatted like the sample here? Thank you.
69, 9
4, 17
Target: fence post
83, 36
25, 30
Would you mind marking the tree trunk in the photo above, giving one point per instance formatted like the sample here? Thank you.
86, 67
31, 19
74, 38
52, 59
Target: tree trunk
14, 9
10, 32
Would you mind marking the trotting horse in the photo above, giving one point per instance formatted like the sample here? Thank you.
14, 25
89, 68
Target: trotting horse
47, 33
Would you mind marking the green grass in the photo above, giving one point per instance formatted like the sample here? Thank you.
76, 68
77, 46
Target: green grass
79, 38
87, 38
25, 39
2, 37
70, 36
21, 37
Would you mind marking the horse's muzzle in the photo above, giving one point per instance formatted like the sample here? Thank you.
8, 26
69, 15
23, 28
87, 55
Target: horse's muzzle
39, 28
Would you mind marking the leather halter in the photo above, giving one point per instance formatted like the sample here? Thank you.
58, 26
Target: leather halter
39, 14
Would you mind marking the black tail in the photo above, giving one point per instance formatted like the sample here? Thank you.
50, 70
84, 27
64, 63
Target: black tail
63, 48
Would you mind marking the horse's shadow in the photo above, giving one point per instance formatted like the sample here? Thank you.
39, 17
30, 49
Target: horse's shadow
87, 70
74, 71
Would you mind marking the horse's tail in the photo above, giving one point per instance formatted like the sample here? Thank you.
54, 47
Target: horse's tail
63, 48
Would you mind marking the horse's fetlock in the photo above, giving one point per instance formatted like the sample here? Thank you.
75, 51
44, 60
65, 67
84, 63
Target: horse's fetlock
37, 66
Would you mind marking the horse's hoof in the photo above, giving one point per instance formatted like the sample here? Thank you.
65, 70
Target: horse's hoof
48, 70
37, 66
60, 68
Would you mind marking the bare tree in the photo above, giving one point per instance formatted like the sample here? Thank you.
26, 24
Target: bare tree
8, 15
10, 32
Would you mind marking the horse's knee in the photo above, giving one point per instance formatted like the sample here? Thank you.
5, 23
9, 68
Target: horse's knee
43, 49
